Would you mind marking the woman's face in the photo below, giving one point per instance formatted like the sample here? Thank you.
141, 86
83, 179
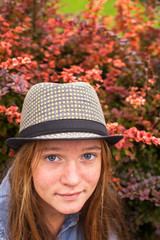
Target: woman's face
67, 174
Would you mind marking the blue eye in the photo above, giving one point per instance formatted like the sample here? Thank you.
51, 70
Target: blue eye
88, 156
52, 158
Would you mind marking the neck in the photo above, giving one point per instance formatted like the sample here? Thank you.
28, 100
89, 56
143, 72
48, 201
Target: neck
53, 218
54, 222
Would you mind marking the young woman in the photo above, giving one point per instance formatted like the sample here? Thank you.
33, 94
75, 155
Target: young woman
58, 186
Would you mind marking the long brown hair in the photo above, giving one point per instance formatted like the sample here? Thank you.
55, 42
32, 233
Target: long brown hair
25, 218
101, 214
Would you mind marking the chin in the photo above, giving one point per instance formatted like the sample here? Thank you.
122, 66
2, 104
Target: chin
71, 211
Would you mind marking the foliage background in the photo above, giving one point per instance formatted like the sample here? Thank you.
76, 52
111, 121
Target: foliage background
120, 58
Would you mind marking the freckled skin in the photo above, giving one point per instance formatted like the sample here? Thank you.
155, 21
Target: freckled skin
65, 184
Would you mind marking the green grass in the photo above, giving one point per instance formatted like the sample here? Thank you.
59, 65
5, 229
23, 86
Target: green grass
75, 6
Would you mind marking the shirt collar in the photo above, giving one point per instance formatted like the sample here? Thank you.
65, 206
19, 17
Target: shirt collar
70, 221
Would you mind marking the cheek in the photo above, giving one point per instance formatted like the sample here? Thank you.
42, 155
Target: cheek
92, 176
43, 179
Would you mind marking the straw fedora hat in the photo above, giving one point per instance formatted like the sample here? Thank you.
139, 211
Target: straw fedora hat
55, 111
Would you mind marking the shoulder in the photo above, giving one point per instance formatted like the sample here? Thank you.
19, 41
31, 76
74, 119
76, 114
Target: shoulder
3, 219
2, 232
113, 236
5, 188
3, 222
4, 208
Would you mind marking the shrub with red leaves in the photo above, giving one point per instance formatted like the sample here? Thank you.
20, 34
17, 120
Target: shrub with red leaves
121, 62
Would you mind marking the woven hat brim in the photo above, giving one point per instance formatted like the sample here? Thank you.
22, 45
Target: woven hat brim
16, 143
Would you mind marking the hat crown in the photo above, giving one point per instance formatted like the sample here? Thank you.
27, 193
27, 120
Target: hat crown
55, 111
54, 101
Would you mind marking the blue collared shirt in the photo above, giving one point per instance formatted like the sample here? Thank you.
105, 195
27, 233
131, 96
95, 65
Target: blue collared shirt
69, 231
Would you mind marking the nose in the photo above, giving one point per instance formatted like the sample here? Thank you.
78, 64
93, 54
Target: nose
71, 174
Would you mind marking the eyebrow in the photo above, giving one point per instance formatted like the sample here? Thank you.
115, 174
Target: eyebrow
92, 148
60, 148
51, 148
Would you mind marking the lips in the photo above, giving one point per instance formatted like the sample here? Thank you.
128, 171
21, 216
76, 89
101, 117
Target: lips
70, 196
